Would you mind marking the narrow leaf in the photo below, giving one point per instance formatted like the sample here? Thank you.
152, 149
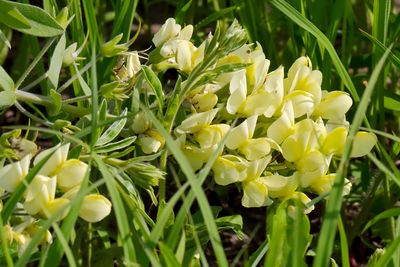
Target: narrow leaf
155, 85
56, 62
112, 132
6, 83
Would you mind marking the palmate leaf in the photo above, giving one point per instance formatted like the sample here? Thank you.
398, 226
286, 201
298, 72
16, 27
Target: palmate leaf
29, 19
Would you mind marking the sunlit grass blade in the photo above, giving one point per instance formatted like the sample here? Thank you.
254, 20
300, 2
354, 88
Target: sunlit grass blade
344, 246
119, 210
385, 259
328, 230
296, 17
4, 246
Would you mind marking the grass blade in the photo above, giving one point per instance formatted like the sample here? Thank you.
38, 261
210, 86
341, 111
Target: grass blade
296, 17
328, 230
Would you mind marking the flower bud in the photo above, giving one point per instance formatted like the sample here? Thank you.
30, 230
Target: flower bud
204, 102
112, 48
141, 123
95, 208
71, 174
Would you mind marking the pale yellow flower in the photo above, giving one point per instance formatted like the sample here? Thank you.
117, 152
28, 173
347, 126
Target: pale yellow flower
230, 169
240, 138
56, 160
282, 127
40, 197
71, 174
151, 141
255, 191
363, 143
211, 135
281, 186
12, 174
196, 122
334, 105
169, 29
95, 207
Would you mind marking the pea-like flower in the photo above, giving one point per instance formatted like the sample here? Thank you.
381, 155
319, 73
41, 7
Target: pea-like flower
68, 173
230, 169
240, 138
40, 197
12, 174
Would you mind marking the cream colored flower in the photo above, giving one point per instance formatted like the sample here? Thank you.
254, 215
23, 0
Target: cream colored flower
230, 169
281, 186
334, 105
211, 135
240, 138
196, 122
151, 141
281, 128
40, 197
363, 143
71, 174
255, 191
95, 208
169, 29
56, 160
12, 174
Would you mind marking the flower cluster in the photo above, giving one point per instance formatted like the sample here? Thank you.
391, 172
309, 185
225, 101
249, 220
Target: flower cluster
289, 130
50, 191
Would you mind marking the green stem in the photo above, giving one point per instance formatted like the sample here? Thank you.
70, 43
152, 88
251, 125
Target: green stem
30, 115
34, 62
48, 102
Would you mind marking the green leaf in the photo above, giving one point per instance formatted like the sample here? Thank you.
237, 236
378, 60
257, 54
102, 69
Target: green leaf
214, 16
395, 59
12, 17
181, 10
112, 132
57, 102
300, 20
4, 38
167, 256
155, 85
391, 101
116, 145
257, 256
381, 216
5, 80
56, 62
29, 19
7, 99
